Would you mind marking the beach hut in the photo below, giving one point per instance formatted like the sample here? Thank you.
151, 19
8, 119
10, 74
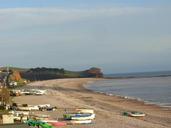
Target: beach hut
7, 119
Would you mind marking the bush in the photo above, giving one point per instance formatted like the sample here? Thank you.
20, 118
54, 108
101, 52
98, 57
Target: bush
2, 107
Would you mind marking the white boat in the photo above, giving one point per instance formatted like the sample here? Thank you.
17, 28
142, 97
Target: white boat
38, 92
49, 121
44, 105
24, 108
17, 113
29, 108
85, 111
83, 117
134, 114
80, 122
25, 92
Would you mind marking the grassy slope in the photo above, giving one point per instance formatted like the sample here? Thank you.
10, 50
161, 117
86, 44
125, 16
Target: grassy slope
14, 68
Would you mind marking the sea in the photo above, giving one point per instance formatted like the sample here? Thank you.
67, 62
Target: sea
152, 88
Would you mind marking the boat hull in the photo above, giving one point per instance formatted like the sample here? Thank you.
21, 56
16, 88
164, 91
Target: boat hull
80, 122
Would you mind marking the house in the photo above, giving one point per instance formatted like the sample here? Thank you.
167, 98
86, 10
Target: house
7, 121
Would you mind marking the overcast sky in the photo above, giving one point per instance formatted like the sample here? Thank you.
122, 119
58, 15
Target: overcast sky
115, 35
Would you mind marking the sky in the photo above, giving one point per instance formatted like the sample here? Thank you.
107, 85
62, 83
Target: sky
118, 36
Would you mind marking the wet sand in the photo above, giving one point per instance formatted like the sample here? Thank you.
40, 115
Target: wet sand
68, 94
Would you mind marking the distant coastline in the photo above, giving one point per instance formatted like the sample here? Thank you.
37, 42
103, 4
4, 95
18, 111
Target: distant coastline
138, 75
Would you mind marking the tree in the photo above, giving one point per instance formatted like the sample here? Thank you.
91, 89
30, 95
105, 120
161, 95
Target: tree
4, 96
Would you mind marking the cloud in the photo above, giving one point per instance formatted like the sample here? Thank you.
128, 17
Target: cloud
12, 18
111, 10
107, 37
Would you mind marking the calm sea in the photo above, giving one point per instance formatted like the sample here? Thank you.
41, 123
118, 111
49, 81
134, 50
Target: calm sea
155, 90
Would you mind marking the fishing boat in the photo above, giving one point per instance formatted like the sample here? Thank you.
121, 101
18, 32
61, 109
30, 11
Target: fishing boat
83, 117
85, 111
28, 108
35, 123
134, 114
79, 116
80, 122
45, 125
17, 113
49, 121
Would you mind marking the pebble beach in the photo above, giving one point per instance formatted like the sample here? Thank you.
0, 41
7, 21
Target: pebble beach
69, 94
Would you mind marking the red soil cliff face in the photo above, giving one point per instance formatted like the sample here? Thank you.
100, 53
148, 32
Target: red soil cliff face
94, 72
15, 76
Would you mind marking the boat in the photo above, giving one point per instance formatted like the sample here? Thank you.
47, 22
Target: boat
83, 117
80, 122
45, 125
17, 113
34, 122
134, 114
85, 111
49, 121
79, 116
24, 108
44, 105
28, 108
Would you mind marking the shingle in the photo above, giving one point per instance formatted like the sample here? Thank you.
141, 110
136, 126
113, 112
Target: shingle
14, 126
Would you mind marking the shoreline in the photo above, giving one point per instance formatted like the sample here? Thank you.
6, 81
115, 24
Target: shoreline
134, 77
71, 94
131, 99
162, 105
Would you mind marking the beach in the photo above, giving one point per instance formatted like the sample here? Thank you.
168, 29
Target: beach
69, 94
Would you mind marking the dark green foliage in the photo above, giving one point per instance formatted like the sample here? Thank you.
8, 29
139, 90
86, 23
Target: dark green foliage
43, 73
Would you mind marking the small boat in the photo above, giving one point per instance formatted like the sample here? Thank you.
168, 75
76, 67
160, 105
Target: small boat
17, 113
34, 122
44, 105
83, 117
80, 122
49, 121
45, 125
28, 108
134, 114
85, 111
79, 116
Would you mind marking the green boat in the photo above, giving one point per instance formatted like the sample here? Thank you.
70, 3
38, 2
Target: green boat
38, 123
45, 125
67, 116
134, 114
34, 122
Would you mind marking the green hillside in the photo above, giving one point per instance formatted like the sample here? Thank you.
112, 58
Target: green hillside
43, 73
